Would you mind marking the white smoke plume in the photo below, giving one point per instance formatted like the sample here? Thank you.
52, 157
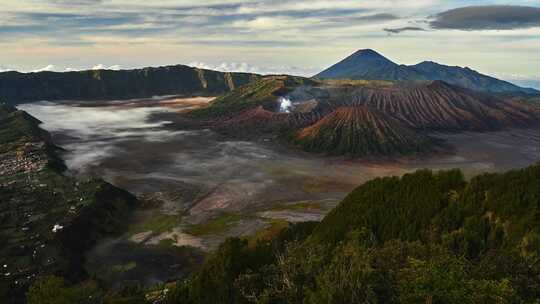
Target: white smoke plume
285, 105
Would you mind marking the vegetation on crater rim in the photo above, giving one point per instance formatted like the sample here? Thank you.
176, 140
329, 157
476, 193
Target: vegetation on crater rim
425, 237
47, 220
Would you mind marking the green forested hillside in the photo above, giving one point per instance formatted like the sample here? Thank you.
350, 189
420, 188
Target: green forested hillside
423, 238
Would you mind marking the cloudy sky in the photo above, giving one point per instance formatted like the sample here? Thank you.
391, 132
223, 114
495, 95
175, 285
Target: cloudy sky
270, 36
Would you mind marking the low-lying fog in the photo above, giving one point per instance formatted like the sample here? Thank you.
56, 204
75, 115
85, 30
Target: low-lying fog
129, 145
132, 145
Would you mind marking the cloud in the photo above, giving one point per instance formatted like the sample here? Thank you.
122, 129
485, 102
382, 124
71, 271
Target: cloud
75, 2
54, 68
97, 131
48, 68
399, 30
103, 67
379, 17
490, 17
249, 68
5, 69
65, 22
523, 80
266, 33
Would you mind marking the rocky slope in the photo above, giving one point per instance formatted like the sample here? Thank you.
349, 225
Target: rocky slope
47, 220
370, 65
361, 131
438, 106
125, 84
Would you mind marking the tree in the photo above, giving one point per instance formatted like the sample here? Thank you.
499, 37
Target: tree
55, 290
441, 279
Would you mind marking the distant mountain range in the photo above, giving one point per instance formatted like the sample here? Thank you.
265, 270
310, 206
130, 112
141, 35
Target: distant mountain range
180, 80
370, 65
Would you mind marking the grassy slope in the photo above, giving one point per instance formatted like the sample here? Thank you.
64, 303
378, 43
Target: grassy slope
264, 92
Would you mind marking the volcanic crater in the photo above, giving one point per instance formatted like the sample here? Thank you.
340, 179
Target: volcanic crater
364, 118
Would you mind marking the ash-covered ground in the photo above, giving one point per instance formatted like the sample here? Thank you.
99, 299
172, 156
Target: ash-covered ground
202, 187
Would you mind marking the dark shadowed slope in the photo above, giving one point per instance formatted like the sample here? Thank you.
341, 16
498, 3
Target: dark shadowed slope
47, 220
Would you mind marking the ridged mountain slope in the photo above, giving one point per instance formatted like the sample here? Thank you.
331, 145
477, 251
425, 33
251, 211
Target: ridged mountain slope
438, 106
361, 131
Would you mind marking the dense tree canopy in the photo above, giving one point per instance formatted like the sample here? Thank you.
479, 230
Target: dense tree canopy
423, 238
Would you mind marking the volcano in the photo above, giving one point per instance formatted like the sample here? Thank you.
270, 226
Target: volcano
361, 131
369, 65
438, 106
362, 117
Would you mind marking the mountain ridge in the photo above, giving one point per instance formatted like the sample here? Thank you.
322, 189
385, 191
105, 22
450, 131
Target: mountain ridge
181, 80
47, 218
359, 66
369, 65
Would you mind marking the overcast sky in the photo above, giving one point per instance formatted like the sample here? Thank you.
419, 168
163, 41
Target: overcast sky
270, 36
